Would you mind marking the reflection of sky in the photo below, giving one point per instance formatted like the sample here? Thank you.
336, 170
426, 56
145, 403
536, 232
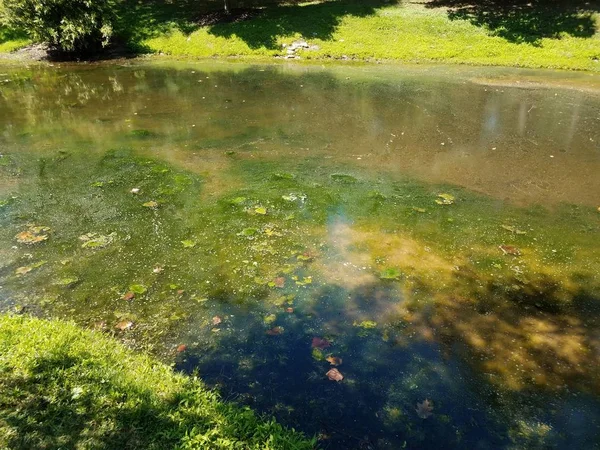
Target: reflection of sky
491, 121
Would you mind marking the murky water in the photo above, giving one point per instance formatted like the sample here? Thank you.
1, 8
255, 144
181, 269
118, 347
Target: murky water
430, 233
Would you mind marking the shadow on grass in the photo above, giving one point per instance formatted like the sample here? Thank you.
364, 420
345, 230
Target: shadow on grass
526, 21
47, 416
148, 19
311, 21
84, 391
7, 34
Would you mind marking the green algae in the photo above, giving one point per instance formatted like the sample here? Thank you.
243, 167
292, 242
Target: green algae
329, 253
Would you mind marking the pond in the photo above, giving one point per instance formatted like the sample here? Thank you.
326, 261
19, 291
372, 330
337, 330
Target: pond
385, 257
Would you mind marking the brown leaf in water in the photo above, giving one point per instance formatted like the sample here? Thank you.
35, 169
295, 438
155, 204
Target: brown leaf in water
320, 343
334, 360
510, 250
151, 204
424, 409
128, 296
181, 348
335, 375
124, 325
33, 235
279, 282
216, 320
275, 331
289, 310
23, 270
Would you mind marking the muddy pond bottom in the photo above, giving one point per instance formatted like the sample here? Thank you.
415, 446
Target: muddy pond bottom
384, 257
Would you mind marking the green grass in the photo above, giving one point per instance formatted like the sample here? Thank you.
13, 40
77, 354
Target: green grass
536, 36
12, 40
404, 32
64, 387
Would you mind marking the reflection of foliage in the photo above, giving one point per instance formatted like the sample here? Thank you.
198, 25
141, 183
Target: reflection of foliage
530, 436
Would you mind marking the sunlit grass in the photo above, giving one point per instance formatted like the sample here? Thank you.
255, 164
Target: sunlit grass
405, 32
364, 31
12, 40
63, 387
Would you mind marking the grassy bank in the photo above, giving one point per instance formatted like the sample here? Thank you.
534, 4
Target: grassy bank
63, 387
446, 31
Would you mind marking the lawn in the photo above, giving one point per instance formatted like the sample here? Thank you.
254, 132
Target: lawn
537, 34
64, 387
408, 32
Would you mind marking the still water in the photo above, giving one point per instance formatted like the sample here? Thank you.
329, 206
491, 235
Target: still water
384, 257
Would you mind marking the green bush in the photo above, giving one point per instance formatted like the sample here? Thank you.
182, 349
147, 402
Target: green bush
68, 25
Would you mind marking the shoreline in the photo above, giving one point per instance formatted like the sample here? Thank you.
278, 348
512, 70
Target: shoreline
432, 32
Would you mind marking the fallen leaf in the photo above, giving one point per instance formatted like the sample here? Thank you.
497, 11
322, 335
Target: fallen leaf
23, 270
237, 200
320, 343
279, 282
421, 210
135, 191
305, 281
334, 360
424, 409
157, 269
138, 289
216, 320
26, 269
306, 256
248, 232
188, 243
513, 229
509, 250
68, 282
365, 324
445, 199
275, 331
151, 204
180, 292
124, 325
269, 319
128, 296
181, 348
33, 235
289, 310
335, 375
390, 274
260, 210
95, 240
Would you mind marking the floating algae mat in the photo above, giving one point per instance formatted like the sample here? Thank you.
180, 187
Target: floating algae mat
382, 257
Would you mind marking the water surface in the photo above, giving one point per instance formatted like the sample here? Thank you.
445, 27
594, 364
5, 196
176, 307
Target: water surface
432, 231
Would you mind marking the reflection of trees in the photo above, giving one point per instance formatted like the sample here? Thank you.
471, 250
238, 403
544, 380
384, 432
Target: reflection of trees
392, 124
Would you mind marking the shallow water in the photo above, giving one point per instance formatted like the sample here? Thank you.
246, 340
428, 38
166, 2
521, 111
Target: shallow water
434, 228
